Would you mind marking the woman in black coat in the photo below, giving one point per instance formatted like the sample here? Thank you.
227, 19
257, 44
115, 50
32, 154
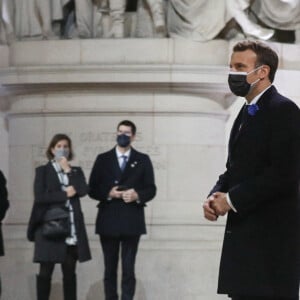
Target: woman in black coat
57, 184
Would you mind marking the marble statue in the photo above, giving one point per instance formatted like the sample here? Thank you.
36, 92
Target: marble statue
202, 20
236, 10
33, 18
158, 14
151, 20
279, 14
58, 16
117, 14
61, 18
87, 18
198, 20
6, 24
75, 18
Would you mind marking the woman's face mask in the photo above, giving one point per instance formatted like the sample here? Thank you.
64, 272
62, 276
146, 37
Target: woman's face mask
238, 83
62, 152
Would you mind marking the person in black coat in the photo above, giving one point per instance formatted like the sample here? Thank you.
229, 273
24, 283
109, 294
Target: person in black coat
259, 191
122, 179
4, 205
57, 184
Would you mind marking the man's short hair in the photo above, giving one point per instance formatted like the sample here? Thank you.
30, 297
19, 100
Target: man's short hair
265, 55
129, 124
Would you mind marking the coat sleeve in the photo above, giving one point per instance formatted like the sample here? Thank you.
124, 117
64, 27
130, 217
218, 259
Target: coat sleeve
147, 190
98, 186
280, 177
44, 195
4, 204
78, 181
221, 185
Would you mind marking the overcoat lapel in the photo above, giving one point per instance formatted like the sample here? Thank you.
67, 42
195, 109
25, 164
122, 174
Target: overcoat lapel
243, 124
115, 164
250, 121
235, 131
53, 178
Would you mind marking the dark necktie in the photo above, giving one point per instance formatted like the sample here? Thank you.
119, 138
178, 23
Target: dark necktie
244, 117
124, 162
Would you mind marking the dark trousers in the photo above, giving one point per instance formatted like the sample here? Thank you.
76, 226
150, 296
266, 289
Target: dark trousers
262, 298
69, 276
111, 249
68, 266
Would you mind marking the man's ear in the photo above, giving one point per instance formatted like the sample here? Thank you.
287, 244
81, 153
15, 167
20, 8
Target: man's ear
264, 72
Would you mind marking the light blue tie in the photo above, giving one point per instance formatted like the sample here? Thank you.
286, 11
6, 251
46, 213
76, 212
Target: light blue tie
124, 162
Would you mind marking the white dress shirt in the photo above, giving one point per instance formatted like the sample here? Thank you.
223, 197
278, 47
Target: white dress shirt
120, 155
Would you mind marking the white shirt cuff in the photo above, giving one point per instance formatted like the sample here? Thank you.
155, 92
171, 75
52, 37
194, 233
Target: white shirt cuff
230, 203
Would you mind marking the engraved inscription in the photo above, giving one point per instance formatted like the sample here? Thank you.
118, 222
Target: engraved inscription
88, 144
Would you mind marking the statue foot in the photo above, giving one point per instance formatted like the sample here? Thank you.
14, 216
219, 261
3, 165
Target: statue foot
259, 33
161, 32
117, 31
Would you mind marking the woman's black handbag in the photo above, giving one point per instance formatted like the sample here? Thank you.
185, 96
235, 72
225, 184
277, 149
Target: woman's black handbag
57, 223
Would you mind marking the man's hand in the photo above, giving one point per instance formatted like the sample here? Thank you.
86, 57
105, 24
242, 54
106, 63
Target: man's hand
130, 195
218, 202
209, 212
114, 193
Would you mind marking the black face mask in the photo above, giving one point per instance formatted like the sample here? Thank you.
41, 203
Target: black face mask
238, 84
123, 140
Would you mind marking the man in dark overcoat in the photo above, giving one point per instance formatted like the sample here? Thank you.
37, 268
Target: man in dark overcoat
259, 190
122, 179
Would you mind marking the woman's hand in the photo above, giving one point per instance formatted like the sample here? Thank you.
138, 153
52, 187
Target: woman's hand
64, 164
70, 191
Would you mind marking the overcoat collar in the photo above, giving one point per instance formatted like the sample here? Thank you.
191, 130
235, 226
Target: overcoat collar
51, 172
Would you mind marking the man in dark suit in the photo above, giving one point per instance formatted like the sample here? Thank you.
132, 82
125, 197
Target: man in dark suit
4, 204
259, 189
122, 179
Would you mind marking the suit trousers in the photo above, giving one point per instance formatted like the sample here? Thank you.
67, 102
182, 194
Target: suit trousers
111, 248
262, 298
